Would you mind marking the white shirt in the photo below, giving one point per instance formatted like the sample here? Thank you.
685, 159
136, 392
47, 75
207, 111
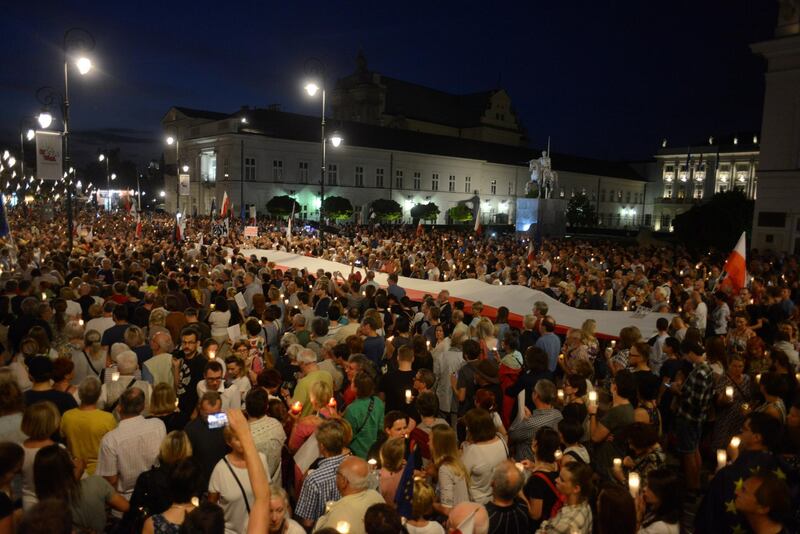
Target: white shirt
480, 460
74, 310
111, 391
231, 498
129, 450
701, 317
100, 324
231, 396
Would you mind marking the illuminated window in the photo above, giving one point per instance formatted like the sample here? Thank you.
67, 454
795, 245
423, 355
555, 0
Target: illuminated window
493, 187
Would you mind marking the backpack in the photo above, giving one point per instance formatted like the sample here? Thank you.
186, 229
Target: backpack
561, 499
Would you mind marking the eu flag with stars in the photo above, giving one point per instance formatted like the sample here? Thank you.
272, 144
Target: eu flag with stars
405, 489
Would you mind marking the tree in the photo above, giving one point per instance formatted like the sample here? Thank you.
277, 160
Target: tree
460, 213
581, 212
716, 224
426, 212
337, 208
281, 206
387, 210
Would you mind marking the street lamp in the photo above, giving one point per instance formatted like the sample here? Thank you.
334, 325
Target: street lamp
79, 41
315, 68
102, 158
45, 119
174, 141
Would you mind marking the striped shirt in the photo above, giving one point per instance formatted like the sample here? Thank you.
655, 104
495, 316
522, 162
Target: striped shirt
696, 393
521, 433
574, 519
129, 450
508, 519
319, 487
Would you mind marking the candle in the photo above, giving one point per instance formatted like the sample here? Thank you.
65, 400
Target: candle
212, 306
560, 394
722, 458
80, 322
745, 407
520, 466
390, 338
408, 396
328, 506
372, 462
195, 502
633, 483
297, 407
735, 441
428, 343
617, 462
758, 378
115, 376
286, 302
332, 403
176, 402
558, 454
44, 295
561, 357
613, 343
212, 354
593, 397
343, 527
729, 392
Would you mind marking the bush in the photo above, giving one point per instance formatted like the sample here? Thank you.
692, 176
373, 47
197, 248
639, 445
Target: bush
426, 212
337, 208
281, 206
460, 213
387, 210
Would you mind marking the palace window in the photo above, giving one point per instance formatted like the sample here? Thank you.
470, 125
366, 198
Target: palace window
417, 180
333, 173
378, 177
493, 187
250, 169
451, 185
467, 184
435, 181
398, 179
277, 170
359, 178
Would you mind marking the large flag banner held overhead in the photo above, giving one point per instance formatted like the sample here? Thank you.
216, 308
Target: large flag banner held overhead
736, 266
49, 165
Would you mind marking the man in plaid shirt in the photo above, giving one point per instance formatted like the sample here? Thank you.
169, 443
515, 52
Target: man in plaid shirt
319, 486
694, 396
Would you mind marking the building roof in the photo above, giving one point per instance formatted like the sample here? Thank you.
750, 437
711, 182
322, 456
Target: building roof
297, 127
735, 142
418, 102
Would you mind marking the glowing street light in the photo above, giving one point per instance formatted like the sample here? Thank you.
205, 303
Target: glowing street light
84, 65
113, 176
101, 157
30, 134
170, 140
45, 119
162, 194
336, 140
311, 88
185, 168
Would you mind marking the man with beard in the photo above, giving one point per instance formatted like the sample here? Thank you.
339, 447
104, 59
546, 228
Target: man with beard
280, 511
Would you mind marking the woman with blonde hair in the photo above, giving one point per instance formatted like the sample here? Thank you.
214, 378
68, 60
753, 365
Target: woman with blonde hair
151, 494
320, 396
392, 455
588, 336
452, 478
487, 338
40, 421
163, 406
422, 507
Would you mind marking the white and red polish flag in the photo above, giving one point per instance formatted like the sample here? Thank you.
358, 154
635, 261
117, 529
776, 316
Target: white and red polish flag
226, 205
478, 229
736, 267
138, 225
420, 229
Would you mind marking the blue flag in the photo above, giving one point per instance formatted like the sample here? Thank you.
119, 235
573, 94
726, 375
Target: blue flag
405, 489
4, 229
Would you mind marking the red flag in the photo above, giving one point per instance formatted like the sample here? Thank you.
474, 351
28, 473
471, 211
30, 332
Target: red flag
138, 225
736, 266
420, 230
531, 252
478, 229
226, 205
178, 228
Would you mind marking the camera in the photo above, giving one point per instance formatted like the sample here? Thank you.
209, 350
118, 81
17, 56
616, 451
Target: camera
217, 420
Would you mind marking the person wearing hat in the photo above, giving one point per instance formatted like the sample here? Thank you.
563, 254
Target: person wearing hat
40, 369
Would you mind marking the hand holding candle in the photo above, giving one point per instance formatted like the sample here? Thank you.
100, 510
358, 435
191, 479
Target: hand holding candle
722, 458
408, 396
633, 483
729, 393
297, 407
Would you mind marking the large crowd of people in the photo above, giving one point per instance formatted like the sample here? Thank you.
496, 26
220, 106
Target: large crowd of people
157, 385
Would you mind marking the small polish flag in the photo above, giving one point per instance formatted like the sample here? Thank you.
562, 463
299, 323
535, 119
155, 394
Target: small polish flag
178, 228
478, 229
289, 225
736, 267
138, 225
420, 229
226, 205
531, 252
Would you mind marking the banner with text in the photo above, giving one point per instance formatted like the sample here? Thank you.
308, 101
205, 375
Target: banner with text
184, 188
49, 165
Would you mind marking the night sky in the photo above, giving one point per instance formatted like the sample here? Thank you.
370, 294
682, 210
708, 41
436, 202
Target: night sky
604, 79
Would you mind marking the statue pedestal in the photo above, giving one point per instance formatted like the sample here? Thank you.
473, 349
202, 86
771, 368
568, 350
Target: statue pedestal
549, 213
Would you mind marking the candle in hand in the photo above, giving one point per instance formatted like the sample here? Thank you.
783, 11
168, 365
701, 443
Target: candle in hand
729, 392
722, 458
633, 483
297, 407
560, 394
212, 354
617, 462
408, 396
115, 376
593, 397
343, 527
332, 403
735, 441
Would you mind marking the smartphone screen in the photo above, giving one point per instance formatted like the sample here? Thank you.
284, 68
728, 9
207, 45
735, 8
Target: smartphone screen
217, 420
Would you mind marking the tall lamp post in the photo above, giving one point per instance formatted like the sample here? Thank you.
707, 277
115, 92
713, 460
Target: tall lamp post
173, 140
103, 158
25, 133
312, 88
77, 42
